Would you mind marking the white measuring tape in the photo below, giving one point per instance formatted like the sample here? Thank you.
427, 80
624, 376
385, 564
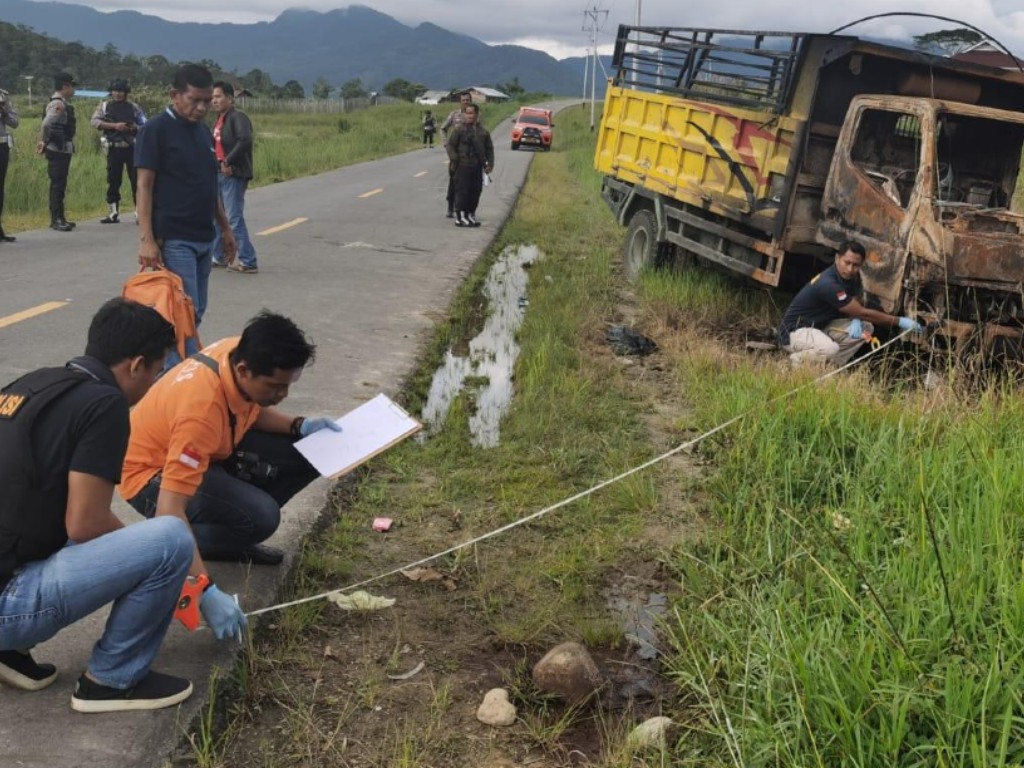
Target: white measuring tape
582, 494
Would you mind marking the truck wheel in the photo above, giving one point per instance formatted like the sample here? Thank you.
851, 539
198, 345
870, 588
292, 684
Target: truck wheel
641, 248
515, 145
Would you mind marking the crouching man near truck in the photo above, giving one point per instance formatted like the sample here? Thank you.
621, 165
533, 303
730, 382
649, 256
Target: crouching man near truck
63, 552
826, 322
209, 447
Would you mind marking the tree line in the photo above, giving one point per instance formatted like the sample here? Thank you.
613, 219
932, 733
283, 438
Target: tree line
30, 59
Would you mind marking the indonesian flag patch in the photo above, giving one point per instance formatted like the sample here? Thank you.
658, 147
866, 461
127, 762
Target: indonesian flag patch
841, 295
190, 458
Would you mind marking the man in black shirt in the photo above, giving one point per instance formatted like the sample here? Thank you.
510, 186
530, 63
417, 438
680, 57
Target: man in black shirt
826, 322
63, 552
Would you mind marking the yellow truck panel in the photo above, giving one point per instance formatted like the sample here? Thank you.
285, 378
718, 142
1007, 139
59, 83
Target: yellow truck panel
698, 153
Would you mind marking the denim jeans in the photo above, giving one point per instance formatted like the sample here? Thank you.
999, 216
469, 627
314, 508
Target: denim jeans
191, 262
140, 568
228, 515
232, 195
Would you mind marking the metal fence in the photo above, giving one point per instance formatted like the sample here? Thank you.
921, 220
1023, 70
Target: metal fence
315, 106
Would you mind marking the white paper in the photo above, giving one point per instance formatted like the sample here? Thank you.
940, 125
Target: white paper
366, 431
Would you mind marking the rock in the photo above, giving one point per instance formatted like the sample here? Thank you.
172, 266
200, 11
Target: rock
651, 733
567, 670
496, 709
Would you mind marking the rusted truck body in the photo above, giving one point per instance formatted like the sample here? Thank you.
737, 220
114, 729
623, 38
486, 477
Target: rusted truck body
760, 152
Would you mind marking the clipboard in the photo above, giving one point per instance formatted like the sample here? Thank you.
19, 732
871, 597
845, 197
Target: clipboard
372, 428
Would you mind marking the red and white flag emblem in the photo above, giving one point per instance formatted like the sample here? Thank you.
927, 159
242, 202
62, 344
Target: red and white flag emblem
841, 295
190, 458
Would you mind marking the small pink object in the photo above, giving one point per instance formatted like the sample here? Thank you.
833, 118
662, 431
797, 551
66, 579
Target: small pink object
382, 524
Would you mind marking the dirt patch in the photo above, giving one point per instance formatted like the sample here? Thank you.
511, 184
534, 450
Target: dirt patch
400, 687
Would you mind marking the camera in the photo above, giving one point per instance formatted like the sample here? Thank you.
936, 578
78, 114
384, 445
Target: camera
247, 467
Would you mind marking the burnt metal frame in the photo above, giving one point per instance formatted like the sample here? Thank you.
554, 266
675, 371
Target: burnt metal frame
736, 71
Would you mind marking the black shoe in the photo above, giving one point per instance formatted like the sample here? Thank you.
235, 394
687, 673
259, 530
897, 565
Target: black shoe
7, 238
154, 691
471, 220
450, 214
461, 220
60, 225
19, 670
257, 554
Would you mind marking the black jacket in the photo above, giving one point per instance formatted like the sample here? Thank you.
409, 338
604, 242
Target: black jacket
236, 138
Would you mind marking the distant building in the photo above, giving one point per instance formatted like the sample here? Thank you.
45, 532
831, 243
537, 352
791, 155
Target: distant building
433, 97
484, 95
989, 55
85, 93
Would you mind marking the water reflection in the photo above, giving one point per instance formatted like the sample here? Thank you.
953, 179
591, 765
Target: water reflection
488, 367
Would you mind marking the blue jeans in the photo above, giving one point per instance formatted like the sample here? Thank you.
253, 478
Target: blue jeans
227, 514
191, 262
140, 568
232, 195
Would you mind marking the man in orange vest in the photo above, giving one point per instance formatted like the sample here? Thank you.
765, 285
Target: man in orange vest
209, 445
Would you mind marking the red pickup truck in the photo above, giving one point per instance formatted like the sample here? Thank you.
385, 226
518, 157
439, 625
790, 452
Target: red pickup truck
533, 128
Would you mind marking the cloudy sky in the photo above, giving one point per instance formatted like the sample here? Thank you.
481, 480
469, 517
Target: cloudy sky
556, 25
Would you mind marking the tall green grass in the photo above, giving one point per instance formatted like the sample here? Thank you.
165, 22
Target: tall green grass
862, 603
287, 146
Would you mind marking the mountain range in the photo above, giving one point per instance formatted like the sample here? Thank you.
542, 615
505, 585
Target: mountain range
303, 45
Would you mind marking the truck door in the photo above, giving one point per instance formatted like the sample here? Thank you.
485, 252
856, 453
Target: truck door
872, 192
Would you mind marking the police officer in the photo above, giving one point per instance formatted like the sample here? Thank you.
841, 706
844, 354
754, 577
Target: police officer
63, 553
119, 121
57, 143
8, 119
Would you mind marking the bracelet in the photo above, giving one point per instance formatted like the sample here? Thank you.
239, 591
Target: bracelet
296, 427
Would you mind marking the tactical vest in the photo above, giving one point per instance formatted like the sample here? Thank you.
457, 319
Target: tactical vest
32, 523
118, 112
62, 133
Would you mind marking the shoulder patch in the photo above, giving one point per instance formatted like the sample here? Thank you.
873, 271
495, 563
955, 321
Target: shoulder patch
190, 457
10, 404
841, 295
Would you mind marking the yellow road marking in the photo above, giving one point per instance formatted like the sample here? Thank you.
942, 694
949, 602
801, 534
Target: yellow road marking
282, 227
372, 192
42, 309
417, 175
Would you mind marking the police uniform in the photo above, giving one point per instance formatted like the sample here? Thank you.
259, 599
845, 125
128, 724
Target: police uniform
57, 137
8, 119
118, 145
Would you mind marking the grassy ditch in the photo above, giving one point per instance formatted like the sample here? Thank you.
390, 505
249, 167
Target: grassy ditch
844, 563
287, 146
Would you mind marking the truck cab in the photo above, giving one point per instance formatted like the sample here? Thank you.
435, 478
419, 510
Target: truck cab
929, 180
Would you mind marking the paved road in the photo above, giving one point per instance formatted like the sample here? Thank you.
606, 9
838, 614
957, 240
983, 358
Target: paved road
363, 260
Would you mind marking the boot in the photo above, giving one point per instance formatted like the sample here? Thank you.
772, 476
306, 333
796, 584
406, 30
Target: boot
113, 215
58, 223
461, 220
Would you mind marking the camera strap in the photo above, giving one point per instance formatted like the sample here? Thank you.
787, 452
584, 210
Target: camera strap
214, 366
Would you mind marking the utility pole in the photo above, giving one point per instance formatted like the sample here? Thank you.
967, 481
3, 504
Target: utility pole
586, 70
29, 78
636, 47
593, 26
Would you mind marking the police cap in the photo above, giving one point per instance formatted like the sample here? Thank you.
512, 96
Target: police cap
63, 77
119, 84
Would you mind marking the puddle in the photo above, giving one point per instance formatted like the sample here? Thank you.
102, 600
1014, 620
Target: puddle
639, 610
487, 369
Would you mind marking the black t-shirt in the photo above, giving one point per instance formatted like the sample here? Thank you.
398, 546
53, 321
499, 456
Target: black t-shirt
85, 431
819, 302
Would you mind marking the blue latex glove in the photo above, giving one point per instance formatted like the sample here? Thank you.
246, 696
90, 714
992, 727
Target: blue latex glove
309, 426
856, 330
909, 324
222, 613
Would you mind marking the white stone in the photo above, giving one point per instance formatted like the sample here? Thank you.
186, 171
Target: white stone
496, 709
651, 733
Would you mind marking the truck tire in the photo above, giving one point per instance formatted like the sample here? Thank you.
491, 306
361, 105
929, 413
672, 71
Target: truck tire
515, 145
641, 248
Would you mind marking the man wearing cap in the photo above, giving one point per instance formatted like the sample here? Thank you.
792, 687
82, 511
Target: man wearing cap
57, 143
118, 120
8, 119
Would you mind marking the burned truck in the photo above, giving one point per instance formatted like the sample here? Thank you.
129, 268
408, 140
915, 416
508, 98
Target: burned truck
760, 152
